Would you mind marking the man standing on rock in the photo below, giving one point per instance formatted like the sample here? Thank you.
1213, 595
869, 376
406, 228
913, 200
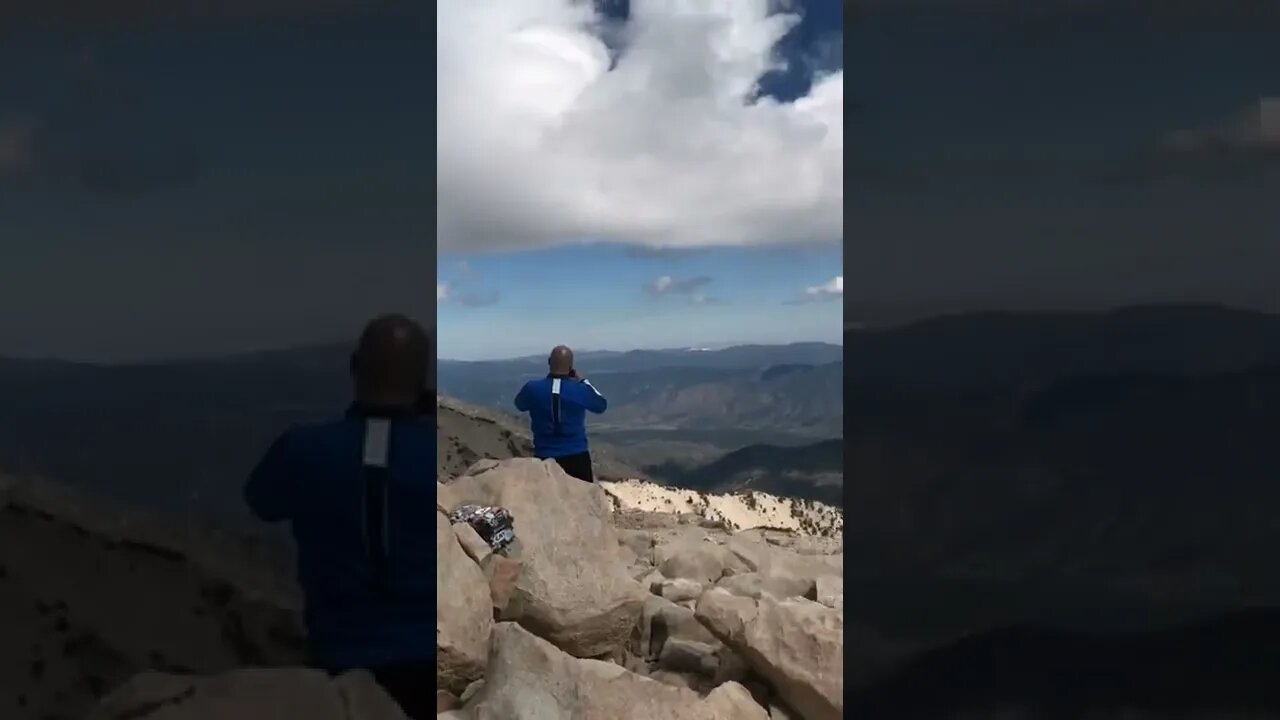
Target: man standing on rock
557, 405
359, 493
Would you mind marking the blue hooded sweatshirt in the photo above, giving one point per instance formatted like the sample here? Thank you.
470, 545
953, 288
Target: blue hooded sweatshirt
557, 407
365, 533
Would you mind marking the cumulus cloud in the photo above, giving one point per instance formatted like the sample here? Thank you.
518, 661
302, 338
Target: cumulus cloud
447, 292
832, 289
548, 135
667, 285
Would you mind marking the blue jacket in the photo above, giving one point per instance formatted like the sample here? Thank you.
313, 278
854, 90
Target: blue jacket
365, 608
559, 427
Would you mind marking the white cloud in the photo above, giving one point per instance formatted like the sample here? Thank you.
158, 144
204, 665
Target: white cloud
442, 292
539, 142
667, 285
829, 290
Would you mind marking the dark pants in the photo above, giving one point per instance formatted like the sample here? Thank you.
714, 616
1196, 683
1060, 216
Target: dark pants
578, 466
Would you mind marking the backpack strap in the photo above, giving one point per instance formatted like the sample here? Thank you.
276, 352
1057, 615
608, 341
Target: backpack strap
555, 405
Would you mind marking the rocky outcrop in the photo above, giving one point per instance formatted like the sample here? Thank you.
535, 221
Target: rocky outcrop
796, 645
251, 694
634, 614
595, 611
463, 618
573, 589
113, 591
531, 679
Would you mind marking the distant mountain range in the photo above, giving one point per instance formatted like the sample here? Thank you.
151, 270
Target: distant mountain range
787, 389
1063, 467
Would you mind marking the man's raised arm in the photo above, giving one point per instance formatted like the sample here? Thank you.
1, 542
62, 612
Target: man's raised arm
591, 398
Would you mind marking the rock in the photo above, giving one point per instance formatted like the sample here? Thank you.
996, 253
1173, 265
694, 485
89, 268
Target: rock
678, 589
464, 614
754, 585
675, 679
573, 589
529, 679
474, 545
444, 500
796, 645
502, 573
732, 668
639, 542
471, 691
754, 551
829, 590
689, 656
777, 712
652, 580
250, 694
446, 700
665, 620
693, 558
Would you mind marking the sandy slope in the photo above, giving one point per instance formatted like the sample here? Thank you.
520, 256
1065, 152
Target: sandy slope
737, 510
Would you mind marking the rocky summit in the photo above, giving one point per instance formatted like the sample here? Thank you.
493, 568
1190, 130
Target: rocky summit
616, 600
600, 610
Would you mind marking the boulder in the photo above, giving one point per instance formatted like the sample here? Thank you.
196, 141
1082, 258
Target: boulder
689, 656
530, 679
502, 573
640, 542
779, 587
796, 645
678, 589
474, 545
250, 694
445, 701
829, 590
760, 556
691, 557
665, 620
464, 614
573, 589
444, 501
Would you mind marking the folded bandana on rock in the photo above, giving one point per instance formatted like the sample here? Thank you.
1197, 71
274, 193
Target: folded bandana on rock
492, 523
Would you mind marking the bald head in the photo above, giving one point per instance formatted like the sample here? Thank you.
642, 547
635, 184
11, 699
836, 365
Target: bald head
561, 360
391, 362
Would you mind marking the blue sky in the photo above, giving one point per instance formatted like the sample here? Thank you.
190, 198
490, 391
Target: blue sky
605, 297
631, 286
